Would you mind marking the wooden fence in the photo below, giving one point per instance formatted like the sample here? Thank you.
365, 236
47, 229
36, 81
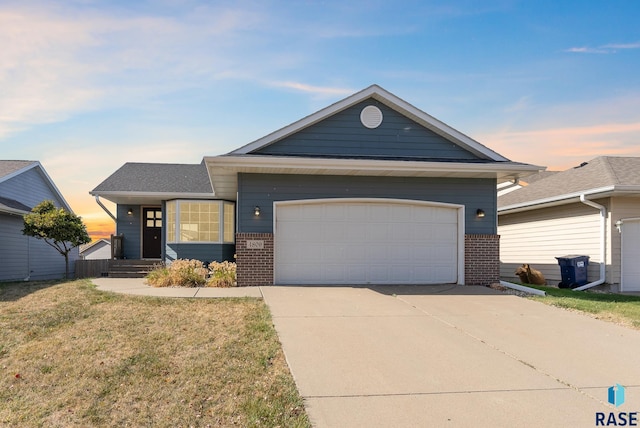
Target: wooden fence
92, 268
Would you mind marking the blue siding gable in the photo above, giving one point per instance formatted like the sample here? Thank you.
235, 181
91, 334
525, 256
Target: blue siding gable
29, 188
23, 257
343, 135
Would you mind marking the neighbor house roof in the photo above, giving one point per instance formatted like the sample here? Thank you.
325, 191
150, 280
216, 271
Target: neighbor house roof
12, 206
152, 182
9, 168
223, 170
600, 177
94, 245
12, 168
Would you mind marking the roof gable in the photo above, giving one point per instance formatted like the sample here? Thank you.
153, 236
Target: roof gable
391, 103
343, 135
602, 174
94, 246
20, 179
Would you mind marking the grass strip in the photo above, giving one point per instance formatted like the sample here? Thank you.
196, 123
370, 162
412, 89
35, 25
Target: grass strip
71, 355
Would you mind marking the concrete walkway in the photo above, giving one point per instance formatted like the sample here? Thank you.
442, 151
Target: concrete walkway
138, 287
449, 356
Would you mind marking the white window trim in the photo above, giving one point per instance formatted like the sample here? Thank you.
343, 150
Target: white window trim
220, 203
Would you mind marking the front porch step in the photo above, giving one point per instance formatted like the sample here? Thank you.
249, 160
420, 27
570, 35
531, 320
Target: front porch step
127, 268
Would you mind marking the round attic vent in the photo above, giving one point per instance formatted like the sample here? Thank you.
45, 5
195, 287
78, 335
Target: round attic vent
371, 117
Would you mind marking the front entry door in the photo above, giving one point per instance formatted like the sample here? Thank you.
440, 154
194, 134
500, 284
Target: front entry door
151, 233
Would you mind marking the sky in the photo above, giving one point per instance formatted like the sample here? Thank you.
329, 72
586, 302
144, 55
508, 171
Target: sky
86, 86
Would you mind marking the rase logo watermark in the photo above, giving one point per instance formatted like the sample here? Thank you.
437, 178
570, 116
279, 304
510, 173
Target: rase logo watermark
616, 396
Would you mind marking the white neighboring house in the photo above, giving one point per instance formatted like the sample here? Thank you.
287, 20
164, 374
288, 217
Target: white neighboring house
96, 250
591, 210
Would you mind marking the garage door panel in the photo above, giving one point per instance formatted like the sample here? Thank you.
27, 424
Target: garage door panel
355, 273
365, 242
401, 214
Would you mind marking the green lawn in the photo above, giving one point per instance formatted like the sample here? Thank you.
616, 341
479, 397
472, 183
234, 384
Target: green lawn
622, 309
74, 356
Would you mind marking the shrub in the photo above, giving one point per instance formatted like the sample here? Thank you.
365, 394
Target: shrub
181, 272
222, 274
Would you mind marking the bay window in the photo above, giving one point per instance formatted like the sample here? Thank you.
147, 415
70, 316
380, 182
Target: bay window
200, 221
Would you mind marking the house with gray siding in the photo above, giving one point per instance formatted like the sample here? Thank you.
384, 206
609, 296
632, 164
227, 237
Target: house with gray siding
23, 185
590, 210
99, 249
369, 190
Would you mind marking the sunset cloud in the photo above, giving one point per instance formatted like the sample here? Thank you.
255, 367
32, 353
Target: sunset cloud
560, 148
315, 90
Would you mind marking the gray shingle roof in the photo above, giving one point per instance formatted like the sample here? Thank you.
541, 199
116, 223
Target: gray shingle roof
158, 178
600, 172
538, 176
10, 166
6, 203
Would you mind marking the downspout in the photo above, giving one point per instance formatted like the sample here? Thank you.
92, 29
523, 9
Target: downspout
524, 288
99, 202
515, 182
603, 230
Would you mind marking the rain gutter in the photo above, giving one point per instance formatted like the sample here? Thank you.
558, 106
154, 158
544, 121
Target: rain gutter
603, 220
99, 202
523, 288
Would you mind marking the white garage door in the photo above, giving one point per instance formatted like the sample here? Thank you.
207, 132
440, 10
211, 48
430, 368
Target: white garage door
630, 255
367, 242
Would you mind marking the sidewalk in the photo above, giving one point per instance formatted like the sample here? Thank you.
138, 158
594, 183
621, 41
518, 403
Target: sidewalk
137, 286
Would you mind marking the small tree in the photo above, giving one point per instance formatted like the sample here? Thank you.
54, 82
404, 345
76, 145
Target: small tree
59, 228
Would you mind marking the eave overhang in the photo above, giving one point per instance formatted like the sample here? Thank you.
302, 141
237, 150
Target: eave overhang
568, 198
147, 198
223, 170
13, 211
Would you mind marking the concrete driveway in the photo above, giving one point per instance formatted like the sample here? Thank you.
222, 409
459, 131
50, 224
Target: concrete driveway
449, 356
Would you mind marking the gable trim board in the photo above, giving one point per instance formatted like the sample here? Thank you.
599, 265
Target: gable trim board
368, 241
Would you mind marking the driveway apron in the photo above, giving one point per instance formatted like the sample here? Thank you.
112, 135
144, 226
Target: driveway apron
449, 356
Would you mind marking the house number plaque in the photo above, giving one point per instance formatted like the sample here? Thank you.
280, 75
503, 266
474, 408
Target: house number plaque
255, 245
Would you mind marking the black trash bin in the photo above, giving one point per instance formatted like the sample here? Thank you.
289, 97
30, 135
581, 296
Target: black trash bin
573, 269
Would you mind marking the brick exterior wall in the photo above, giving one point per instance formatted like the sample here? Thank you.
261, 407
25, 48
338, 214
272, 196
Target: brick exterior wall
482, 259
254, 266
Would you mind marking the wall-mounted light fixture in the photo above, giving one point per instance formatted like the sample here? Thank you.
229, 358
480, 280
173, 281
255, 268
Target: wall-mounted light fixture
130, 212
256, 211
480, 213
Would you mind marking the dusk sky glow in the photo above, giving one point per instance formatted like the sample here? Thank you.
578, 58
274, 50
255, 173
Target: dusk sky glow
86, 85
